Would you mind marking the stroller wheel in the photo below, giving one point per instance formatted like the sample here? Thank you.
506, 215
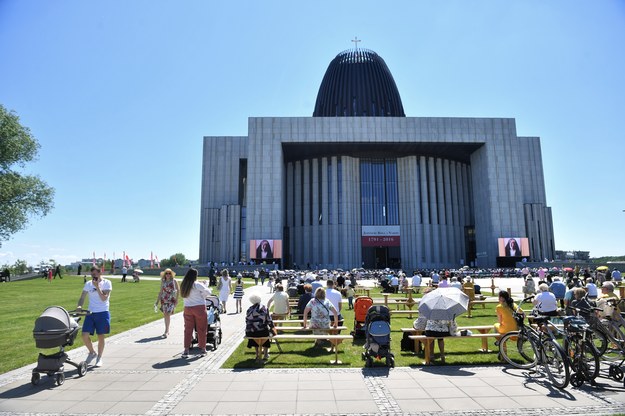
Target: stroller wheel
35, 379
60, 379
369, 362
82, 369
390, 362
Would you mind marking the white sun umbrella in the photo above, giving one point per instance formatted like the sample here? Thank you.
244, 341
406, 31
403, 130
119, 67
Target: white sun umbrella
138, 270
444, 304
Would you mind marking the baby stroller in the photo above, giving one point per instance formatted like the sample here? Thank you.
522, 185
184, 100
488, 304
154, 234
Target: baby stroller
361, 306
55, 328
213, 330
378, 336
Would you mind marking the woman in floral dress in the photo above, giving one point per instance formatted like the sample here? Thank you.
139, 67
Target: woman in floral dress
320, 310
168, 297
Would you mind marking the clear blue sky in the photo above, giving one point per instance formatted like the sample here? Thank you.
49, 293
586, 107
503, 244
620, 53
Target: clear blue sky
120, 93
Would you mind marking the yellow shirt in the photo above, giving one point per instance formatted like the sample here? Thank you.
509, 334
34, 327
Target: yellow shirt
507, 319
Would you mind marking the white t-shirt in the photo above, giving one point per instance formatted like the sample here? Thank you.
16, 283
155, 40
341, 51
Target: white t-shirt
95, 303
197, 295
335, 297
546, 302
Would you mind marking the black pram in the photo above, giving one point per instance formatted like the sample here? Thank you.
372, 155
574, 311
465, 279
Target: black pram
213, 330
55, 328
378, 336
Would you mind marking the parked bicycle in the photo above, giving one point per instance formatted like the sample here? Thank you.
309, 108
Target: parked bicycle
529, 347
582, 354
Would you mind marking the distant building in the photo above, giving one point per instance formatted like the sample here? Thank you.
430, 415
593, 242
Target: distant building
360, 184
572, 255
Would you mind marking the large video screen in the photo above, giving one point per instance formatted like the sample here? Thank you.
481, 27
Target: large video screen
513, 247
265, 249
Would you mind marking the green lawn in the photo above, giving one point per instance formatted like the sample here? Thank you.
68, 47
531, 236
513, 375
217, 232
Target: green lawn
299, 354
21, 302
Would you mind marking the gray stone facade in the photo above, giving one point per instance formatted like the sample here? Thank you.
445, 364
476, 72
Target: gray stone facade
454, 174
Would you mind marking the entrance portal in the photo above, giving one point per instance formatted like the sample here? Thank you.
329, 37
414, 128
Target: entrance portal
381, 257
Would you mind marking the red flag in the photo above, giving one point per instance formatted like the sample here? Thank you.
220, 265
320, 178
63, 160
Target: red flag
158, 263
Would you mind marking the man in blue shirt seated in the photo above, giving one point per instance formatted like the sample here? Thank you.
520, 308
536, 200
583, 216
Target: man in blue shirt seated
558, 288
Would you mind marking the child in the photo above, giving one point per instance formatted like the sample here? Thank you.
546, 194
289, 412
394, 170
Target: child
238, 295
350, 296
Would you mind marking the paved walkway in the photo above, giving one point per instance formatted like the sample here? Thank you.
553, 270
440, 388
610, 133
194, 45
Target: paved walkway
145, 375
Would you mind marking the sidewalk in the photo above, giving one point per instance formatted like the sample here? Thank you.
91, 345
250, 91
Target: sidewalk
145, 375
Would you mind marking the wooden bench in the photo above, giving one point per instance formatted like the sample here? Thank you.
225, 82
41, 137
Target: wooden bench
482, 329
428, 341
300, 328
335, 340
473, 303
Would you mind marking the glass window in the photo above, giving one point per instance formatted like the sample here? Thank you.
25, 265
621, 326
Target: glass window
378, 190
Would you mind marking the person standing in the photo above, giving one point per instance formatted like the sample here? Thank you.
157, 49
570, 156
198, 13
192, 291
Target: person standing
194, 295
79, 270
168, 297
238, 294
57, 271
99, 320
124, 273
225, 287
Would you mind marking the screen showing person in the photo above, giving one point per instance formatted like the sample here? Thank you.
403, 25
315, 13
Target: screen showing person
264, 250
513, 248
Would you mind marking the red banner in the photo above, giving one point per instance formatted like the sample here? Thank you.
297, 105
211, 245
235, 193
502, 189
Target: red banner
380, 241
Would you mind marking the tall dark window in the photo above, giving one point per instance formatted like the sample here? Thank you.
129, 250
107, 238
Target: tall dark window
339, 183
329, 190
378, 191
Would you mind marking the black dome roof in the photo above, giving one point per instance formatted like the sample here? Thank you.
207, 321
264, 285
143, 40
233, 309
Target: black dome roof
358, 83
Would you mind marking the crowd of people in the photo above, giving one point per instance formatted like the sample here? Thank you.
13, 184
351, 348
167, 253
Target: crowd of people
320, 300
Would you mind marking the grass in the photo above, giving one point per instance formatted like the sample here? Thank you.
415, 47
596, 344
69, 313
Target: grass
21, 302
301, 354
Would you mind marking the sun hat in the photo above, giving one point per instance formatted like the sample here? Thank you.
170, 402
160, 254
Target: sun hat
164, 272
255, 299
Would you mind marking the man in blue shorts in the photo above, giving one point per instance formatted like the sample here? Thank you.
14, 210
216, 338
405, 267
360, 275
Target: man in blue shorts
99, 321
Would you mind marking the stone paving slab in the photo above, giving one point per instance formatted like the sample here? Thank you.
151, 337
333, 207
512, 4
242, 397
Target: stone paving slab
145, 375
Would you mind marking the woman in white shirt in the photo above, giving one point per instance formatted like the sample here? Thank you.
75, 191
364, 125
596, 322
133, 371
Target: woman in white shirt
194, 295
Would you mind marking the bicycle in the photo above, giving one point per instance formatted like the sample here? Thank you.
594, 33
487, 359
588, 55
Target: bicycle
582, 354
529, 347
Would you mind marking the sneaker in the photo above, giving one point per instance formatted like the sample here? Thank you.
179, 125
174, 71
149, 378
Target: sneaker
202, 353
98, 362
90, 357
185, 354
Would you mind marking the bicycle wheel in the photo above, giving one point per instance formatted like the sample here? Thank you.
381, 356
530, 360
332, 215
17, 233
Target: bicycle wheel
517, 350
584, 358
616, 342
599, 340
555, 363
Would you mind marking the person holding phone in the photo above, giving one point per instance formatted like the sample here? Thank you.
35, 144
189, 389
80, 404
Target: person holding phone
99, 321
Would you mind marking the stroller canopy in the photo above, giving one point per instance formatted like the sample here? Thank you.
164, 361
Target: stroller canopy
54, 320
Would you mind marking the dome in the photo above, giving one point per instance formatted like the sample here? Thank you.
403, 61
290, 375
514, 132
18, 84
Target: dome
358, 83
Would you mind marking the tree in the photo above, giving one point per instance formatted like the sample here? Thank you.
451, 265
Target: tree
21, 196
177, 259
